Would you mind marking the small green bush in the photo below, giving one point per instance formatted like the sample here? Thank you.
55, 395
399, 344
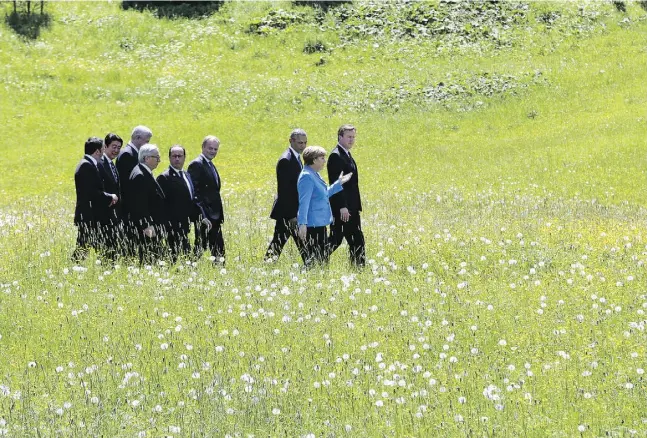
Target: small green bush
175, 8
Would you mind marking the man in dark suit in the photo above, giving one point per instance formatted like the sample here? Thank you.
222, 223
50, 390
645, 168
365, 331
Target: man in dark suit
147, 205
347, 204
286, 202
91, 199
111, 227
182, 207
207, 183
127, 160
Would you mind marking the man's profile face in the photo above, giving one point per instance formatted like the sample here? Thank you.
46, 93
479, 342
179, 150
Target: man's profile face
112, 150
152, 161
347, 140
299, 143
210, 149
177, 158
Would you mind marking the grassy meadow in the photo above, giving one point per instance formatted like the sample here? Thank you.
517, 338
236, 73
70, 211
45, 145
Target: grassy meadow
503, 176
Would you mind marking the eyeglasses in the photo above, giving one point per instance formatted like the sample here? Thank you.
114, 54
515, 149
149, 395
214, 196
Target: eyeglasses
177, 156
157, 157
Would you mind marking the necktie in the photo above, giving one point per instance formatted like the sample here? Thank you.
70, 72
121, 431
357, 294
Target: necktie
114, 171
215, 174
300, 162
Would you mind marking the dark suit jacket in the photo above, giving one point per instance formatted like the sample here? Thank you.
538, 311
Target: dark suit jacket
349, 197
286, 203
112, 214
207, 188
91, 198
147, 199
126, 161
181, 207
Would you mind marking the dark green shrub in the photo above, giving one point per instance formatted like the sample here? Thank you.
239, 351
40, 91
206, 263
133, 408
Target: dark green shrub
620, 5
314, 46
175, 8
321, 4
277, 19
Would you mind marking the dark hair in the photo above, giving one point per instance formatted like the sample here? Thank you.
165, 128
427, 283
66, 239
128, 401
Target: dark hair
343, 129
176, 146
113, 137
92, 145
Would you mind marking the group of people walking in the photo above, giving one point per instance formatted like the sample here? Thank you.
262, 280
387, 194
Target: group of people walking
123, 210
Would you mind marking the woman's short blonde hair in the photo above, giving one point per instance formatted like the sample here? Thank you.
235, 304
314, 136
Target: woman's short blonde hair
311, 153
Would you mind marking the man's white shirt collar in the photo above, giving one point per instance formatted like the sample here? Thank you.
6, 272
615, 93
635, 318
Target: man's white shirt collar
177, 170
94, 161
296, 155
344, 149
107, 157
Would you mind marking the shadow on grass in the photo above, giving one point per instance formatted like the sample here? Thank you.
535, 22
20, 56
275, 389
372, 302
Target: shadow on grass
26, 24
174, 8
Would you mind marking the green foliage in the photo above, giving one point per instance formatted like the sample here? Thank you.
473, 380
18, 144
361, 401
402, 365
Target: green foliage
324, 5
276, 19
620, 5
314, 46
175, 8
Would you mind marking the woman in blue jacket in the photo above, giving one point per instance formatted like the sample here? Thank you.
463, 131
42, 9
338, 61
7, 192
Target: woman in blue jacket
314, 213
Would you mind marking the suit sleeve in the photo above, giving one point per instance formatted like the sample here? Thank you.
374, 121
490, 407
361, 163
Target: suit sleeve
163, 182
125, 165
335, 167
195, 173
198, 204
95, 191
282, 175
305, 187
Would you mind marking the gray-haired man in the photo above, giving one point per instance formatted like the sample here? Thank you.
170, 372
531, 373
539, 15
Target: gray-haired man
147, 207
126, 161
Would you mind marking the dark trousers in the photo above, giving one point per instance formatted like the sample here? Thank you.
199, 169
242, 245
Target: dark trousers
150, 248
316, 246
87, 237
213, 241
129, 241
177, 237
283, 230
112, 240
352, 232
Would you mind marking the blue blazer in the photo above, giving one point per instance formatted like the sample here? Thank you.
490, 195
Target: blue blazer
314, 207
